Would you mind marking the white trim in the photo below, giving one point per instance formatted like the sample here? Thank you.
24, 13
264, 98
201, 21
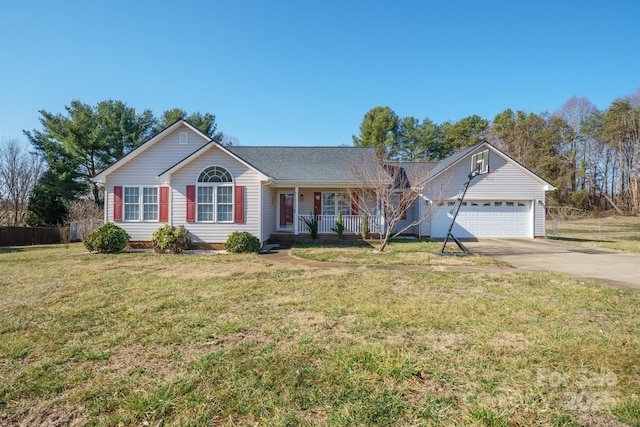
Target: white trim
486, 218
101, 177
166, 175
547, 186
343, 196
140, 204
214, 198
214, 166
279, 209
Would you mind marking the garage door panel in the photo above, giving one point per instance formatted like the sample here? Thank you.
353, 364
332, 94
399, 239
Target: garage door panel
485, 219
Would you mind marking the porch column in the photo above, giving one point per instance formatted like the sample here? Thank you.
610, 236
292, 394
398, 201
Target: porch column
383, 223
295, 211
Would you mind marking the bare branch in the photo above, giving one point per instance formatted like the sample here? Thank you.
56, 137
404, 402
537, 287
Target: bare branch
85, 213
391, 191
19, 173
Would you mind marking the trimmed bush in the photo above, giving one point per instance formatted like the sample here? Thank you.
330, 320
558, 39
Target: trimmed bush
242, 241
106, 238
313, 225
364, 226
339, 228
171, 239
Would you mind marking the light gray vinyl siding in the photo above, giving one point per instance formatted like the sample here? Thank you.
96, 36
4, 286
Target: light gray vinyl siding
242, 175
539, 216
269, 209
412, 215
505, 181
142, 171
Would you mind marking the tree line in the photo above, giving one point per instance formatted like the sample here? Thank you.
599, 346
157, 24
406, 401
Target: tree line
38, 188
591, 156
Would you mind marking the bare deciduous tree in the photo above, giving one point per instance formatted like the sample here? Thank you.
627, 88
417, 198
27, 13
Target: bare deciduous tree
85, 213
19, 172
389, 190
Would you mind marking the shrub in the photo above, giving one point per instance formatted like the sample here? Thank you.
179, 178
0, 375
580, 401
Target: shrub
242, 241
312, 224
364, 226
171, 239
106, 238
339, 228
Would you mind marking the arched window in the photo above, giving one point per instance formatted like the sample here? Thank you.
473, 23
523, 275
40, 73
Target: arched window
214, 196
215, 174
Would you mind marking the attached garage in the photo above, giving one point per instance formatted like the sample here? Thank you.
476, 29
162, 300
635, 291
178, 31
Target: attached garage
485, 218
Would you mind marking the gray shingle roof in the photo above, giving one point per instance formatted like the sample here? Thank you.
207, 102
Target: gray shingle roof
306, 164
445, 163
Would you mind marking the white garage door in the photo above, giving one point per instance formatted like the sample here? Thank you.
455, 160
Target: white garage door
485, 219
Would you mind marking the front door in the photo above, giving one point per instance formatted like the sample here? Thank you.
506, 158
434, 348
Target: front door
285, 221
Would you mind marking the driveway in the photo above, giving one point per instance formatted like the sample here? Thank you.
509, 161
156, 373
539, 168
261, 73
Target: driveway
593, 264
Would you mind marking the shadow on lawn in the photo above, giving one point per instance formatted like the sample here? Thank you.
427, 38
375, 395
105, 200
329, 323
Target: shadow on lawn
395, 244
334, 244
11, 249
575, 239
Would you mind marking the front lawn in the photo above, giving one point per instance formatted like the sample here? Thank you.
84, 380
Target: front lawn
397, 252
146, 339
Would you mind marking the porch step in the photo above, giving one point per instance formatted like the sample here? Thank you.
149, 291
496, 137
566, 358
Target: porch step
267, 248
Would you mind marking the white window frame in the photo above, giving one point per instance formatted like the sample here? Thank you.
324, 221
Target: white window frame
338, 198
156, 204
216, 193
214, 203
140, 203
482, 159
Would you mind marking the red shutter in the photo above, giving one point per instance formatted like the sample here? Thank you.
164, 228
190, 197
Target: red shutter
117, 204
238, 204
164, 204
317, 203
191, 203
354, 203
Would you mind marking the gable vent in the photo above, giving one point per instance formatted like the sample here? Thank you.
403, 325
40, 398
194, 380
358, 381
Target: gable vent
184, 137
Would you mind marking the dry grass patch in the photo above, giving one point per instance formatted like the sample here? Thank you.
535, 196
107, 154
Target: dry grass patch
614, 232
398, 252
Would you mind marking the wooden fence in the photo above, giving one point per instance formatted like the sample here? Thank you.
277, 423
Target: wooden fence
24, 236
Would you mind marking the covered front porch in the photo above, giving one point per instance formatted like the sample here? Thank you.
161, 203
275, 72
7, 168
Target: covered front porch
298, 207
326, 223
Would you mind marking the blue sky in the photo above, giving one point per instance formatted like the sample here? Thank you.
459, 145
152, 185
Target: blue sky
305, 73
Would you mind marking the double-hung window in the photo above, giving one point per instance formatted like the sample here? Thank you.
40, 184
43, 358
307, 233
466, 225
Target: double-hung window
214, 197
140, 204
332, 203
150, 203
131, 203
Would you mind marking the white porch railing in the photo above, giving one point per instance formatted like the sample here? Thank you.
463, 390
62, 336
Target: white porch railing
327, 222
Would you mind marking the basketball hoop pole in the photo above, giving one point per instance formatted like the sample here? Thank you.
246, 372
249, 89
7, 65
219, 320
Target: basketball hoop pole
454, 212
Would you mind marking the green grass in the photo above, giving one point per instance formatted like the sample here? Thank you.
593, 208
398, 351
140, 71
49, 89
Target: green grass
398, 252
145, 339
615, 232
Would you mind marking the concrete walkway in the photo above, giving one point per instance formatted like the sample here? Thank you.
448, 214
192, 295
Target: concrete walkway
590, 264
